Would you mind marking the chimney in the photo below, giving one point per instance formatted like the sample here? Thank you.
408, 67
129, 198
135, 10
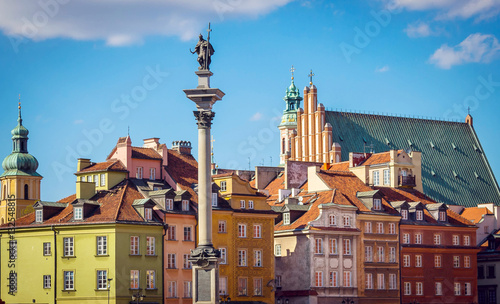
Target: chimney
336, 151
468, 120
181, 146
151, 143
85, 190
82, 164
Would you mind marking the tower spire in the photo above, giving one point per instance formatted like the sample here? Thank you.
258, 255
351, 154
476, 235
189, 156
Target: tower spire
19, 119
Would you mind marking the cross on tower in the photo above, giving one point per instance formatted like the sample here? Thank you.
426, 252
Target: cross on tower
311, 77
292, 70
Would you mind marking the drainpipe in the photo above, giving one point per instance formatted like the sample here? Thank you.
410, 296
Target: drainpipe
55, 263
400, 272
165, 227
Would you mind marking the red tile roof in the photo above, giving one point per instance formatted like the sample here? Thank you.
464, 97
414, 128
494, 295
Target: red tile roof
378, 158
109, 165
145, 153
183, 168
273, 188
342, 166
475, 214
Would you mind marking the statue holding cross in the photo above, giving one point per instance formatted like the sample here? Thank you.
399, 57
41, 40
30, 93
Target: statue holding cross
204, 50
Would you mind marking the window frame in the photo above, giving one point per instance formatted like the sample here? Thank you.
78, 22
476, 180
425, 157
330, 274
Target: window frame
47, 281
134, 245
242, 230
150, 279
102, 279
39, 215
101, 245
69, 279
134, 279
68, 246
150, 246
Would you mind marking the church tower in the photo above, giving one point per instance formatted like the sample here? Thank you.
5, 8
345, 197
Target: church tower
20, 182
288, 125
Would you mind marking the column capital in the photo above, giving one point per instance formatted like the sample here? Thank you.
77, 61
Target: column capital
204, 118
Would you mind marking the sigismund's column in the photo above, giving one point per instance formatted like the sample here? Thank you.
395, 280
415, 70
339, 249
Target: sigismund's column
205, 257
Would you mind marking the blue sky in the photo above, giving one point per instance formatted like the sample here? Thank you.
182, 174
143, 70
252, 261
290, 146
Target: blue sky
88, 70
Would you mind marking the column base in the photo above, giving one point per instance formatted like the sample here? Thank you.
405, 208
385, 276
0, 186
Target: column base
205, 261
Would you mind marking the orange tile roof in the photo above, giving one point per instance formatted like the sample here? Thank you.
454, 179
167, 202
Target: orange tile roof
252, 183
475, 214
145, 153
109, 165
342, 166
183, 168
273, 188
67, 199
378, 158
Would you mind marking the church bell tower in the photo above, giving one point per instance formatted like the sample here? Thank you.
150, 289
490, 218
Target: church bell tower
288, 125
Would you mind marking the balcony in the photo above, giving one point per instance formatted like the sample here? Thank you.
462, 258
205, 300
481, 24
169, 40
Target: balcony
406, 181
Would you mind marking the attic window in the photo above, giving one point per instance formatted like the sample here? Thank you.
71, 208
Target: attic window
419, 215
148, 214
404, 214
169, 204
453, 145
286, 218
442, 216
432, 145
377, 204
223, 186
78, 213
214, 199
39, 216
185, 205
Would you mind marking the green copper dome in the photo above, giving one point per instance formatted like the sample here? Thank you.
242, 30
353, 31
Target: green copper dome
292, 99
20, 162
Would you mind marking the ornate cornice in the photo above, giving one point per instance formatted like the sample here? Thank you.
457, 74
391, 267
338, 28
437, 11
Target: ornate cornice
204, 118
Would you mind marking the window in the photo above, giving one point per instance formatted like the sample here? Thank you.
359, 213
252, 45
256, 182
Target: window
442, 216
392, 281
242, 286
419, 288
466, 240
223, 186
139, 173
102, 245
148, 214
333, 246
68, 245
242, 204
134, 245
69, 280
347, 247
47, 282
392, 228
387, 177
187, 263
223, 285
277, 250
171, 261
439, 288
377, 204
39, 216
457, 288
257, 286
250, 204
78, 213
223, 255
347, 279
406, 260
318, 248
242, 258
257, 231
406, 238
152, 173
150, 245
466, 261
418, 238
169, 204
172, 289
103, 180
286, 218
222, 227
368, 254
369, 281
242, 230
319, 279
491, 272
257, 258
96, 180
150, 279
437, 261
380, 227
134, 279
456, 261
187, 233
456, 240
47, 249
334, 280
171, 233
407, 288
480, 272
380, 281
392, 254
185, 205
467, 289
187, 289
102, 279
376, 178
418, 260
404, 214
347, 221
380, 254
215, 198
333, 220
368, 227
83, 178
419, 215
437, 239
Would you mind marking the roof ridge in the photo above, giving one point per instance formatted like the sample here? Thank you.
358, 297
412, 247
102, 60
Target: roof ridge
121, 199
438, 119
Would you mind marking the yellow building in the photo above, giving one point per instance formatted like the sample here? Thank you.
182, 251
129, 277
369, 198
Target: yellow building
104, 175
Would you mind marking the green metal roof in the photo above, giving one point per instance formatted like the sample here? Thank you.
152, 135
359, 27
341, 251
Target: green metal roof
455, 169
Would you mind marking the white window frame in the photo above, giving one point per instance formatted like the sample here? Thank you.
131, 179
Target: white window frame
250, 204
347, 221
393, 284
377, 204
188, 234
242, 230
257, 286
69, 246
438, 262
150, 245
347, 279
334, 279
456, 261
257, 258
404, 214
392, 228
150, 279
406, 260
466, 240
134, 279
186, 263
437, 239
466, 261
69, 280
152, 173
333, 246
286, 218
467, 289
138, 174
169, 204
380, 281
380, 227
456, 240
242, 258
318, 281
171, 233
47, 248
102, 279
406, 238
418, 238
376, 178
242, 286
47, 281
442, 216
215, 198
223, 285
223, 255
368, 254
171, 261
381, 254
418, 260
222, 227
347, 247
277, 250
387, 177
419, 215
148, 214
368, 227
242, 204
392, 254
185, 205
333, 220
438, 288
419, 288
78, 213
407, 288
134, 245
223, 186
257, 231
457, 289
318, 246
172, 289
39, 215
188, 289
369, 281
102, 245
103, 179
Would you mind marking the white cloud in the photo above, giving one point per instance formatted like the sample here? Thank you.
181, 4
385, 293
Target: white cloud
418, 29
383, 69
449, 9
121, 22
256, 116
475, 48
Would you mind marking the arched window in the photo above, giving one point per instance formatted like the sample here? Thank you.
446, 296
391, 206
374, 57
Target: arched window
26, 192
22, 146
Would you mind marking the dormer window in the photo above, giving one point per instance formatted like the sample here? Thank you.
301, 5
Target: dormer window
78, 215
169, 204
419, 215
223, 186
39, 216
333, 220
148, 214
377, 204
185, 205
347, 221
404, 214
214, 199
286, 218
442, 216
